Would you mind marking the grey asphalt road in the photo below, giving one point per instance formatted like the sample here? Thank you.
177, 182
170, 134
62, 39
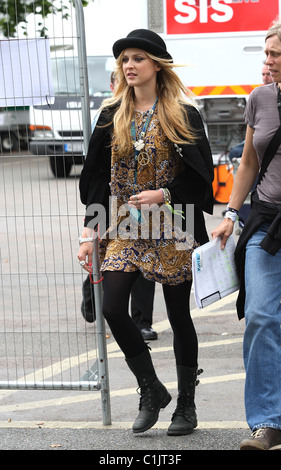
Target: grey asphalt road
72, 420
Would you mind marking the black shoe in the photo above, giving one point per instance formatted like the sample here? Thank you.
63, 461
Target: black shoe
154, 394
184, 419
149, 333
153, 397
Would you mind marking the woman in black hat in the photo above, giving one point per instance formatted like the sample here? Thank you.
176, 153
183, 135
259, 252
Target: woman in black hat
149, 152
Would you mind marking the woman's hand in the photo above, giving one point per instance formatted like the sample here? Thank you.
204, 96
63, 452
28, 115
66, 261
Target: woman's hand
85, 254
224, 230
146, 197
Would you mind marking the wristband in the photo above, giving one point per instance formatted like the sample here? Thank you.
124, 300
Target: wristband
231, 215
166, 195
84, 240
230, 209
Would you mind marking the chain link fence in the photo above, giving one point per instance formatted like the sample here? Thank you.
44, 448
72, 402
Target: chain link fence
45, 125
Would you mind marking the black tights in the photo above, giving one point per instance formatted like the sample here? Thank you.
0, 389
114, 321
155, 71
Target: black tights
117, 286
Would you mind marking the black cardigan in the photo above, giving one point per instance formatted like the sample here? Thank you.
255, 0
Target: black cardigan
192, 186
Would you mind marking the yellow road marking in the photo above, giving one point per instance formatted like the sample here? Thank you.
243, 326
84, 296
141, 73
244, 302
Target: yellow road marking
207, 344
114, 351
75, 361
90, 396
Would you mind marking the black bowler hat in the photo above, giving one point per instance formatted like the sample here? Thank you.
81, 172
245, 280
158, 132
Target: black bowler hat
142, 39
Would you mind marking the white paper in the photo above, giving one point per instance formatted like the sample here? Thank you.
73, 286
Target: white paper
25, 72
214, 272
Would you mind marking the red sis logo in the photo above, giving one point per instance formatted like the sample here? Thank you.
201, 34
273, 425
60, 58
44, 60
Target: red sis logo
219, 16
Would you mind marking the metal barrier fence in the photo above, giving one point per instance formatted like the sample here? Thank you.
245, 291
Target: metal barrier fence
45, 126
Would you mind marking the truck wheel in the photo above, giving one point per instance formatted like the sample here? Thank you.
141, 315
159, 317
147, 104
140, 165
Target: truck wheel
60, 165
9, 142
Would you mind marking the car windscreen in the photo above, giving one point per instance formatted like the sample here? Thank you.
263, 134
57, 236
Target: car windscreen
66, 81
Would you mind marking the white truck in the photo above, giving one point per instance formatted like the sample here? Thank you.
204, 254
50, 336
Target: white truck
221, 42
15, 130
58, 127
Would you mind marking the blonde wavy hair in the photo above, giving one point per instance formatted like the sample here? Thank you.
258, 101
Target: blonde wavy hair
172, 95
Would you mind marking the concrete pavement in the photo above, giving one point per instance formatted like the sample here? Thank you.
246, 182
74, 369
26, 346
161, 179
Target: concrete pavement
67, 420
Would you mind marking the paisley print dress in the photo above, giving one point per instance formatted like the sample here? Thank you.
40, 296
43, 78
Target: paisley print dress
146, 240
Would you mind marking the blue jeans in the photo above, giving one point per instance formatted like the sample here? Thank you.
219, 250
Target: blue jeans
262, 339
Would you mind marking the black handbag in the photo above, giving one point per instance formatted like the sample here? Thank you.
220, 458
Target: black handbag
88, 301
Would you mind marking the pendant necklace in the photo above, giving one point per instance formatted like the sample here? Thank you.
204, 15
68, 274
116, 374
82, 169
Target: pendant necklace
141, 156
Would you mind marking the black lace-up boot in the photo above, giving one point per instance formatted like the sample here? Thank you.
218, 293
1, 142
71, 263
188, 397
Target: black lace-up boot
184, 419
153, 394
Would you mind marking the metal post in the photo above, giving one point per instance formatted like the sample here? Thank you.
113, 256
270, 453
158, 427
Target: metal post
83, 74
102, 352
86, 119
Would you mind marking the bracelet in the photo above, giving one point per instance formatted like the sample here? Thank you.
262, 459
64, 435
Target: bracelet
166, 195
231, 215
231, 209
84, 240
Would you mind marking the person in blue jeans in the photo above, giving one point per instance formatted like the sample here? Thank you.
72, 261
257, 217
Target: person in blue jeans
258, 257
